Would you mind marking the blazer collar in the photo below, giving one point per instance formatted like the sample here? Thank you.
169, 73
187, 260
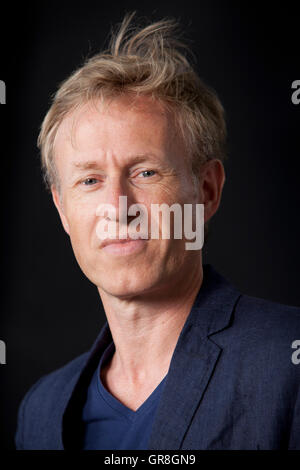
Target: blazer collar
192, 365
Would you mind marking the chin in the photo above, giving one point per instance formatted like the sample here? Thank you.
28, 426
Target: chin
123, 280
126, 287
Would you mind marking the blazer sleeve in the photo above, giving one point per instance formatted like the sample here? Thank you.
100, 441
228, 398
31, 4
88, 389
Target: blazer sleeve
23, 420
294, 441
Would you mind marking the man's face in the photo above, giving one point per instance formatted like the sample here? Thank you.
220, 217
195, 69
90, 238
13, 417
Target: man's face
123, 149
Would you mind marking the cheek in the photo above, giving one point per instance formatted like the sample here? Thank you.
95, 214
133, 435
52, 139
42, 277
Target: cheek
174, 257
179, 190
81, 220
163, 194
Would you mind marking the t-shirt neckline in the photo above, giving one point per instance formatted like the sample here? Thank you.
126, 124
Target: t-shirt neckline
113, 402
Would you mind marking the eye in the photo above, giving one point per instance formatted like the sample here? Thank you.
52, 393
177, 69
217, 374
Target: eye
89, 181
147, 173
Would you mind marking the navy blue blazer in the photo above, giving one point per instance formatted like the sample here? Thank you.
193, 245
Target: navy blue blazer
231, 384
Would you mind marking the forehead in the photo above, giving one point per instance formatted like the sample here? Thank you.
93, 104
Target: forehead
117, 126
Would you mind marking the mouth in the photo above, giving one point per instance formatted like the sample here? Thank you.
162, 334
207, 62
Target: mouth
123, 247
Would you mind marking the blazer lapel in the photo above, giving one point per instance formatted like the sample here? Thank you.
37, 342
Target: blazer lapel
70, 419
193, 362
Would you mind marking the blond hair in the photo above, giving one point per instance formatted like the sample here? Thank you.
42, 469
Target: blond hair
151, 61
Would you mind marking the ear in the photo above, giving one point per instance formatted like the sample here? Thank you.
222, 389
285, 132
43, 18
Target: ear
212, 179
58, 204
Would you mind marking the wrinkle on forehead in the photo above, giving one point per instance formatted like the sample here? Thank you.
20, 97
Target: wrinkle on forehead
84, 114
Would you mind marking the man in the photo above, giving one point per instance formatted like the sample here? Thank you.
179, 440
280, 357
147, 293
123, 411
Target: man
184, 360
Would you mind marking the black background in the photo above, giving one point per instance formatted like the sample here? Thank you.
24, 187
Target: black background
249, 54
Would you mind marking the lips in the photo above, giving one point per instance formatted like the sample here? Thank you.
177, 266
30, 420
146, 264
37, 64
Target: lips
111, 241
127, 247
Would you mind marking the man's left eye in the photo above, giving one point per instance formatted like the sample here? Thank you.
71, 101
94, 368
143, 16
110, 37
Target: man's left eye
147, 173
89, 181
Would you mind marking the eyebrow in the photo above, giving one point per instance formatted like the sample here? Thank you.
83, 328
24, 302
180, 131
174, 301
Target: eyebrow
86, 165
93, 164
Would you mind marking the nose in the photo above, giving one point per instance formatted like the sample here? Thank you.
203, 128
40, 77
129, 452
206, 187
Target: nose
117, 186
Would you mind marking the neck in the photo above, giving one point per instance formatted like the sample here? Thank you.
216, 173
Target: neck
145, 329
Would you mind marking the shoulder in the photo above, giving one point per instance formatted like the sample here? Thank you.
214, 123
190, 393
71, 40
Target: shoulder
50, 392
264, 339
55, 381
258, 314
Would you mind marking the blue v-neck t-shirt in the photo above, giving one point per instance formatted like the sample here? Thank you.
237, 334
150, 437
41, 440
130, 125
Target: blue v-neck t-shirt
110, 425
